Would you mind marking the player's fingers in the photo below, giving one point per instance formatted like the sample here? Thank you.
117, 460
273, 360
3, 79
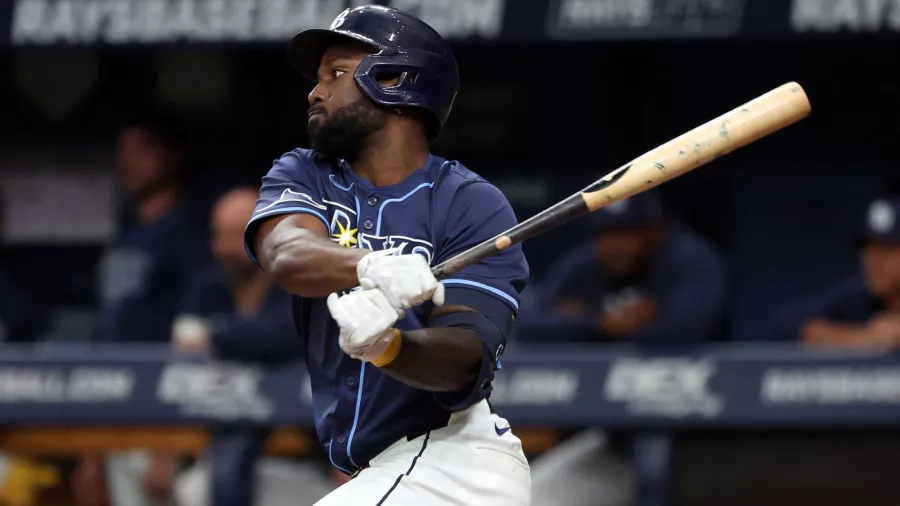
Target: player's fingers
399, 296
394, 296
438, 296
425, 286
390, 290
432, 284
389, 309
335, 307
380, 306
367, 283
368, 307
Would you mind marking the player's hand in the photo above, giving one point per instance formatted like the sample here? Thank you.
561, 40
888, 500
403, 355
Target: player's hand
366, 318
883, 331
406, 280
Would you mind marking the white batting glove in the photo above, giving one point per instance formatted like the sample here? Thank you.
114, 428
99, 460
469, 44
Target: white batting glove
366, 318
406, 280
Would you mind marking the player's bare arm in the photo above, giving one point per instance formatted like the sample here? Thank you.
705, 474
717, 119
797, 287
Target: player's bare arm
295, 250
443, 359
297, 253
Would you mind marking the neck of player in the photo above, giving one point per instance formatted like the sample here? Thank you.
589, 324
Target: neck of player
393, 153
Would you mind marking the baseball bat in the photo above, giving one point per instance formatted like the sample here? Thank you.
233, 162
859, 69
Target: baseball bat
754, 120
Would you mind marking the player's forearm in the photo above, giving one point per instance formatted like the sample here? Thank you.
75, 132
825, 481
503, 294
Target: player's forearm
438, 359
821, 332
304, 263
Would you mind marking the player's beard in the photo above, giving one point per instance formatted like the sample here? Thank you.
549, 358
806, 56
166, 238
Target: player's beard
344, 134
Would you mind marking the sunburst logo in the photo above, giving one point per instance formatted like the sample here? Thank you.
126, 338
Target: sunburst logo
346, 237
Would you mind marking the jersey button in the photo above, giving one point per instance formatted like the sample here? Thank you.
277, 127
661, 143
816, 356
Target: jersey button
372, 201
351, 381
341, 439
368, 224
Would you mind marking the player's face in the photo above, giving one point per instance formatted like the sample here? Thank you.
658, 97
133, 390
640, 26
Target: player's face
881, 263
143, 163
341, 118
623, 253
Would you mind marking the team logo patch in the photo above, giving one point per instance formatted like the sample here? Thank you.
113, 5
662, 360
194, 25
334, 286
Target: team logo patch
345, 237
345, 231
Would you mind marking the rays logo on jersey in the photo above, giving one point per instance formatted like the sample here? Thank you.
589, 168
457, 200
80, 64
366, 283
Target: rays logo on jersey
345, 231
404, 245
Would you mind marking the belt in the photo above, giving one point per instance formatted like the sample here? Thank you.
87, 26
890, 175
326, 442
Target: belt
425, 428
414, 433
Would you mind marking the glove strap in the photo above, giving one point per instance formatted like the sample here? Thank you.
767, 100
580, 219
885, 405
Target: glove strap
391, 352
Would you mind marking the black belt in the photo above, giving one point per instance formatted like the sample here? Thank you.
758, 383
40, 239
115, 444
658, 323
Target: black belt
427, 427
414, 433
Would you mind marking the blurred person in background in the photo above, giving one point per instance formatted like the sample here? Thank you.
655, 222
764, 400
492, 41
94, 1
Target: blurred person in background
234, 312
640, 279
146, 270
862, 310
144, 273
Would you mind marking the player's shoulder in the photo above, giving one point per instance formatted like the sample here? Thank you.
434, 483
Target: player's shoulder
301, 162
458, 182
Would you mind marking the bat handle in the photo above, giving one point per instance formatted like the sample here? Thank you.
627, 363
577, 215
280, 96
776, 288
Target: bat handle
471, 256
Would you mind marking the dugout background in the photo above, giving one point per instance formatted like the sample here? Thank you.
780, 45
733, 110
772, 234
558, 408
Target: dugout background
542, 122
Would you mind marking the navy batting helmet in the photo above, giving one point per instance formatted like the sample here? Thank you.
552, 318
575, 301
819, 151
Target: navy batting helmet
405, 46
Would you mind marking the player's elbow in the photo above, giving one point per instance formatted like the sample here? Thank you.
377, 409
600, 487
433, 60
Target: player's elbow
292, 268
294, 276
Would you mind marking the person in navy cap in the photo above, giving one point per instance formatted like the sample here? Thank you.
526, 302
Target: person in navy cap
862, 310
640, 278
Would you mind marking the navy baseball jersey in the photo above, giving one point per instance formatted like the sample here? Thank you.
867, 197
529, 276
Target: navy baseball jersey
273, 336
438, 211
144, 275
848, 301
686, 279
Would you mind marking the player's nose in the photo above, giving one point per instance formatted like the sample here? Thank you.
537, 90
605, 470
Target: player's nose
316, 96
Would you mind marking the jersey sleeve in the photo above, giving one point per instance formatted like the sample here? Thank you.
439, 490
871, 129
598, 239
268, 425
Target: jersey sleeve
492, 287
478, 213
847, 302
289, 188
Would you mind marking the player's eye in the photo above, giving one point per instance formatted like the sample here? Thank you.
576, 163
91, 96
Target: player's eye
337, 73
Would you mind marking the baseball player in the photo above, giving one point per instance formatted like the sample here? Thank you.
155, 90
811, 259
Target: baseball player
401, 365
